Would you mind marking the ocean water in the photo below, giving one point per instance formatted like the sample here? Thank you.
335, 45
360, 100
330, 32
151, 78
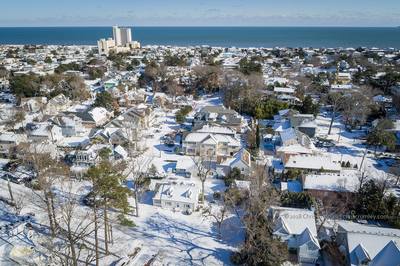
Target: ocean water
214, 36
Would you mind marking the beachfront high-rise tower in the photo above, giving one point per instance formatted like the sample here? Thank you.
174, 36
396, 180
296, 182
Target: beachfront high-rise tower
122, 36
121, 41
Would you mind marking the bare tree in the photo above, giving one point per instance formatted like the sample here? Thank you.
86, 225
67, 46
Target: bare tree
204, 167
174, 88
207, 77
260, 246
218, 215
336, 101
16, 118
137, 170
356, 107
47, 169
76, 227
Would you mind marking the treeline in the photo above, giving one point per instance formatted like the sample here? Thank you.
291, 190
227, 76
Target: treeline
31, 85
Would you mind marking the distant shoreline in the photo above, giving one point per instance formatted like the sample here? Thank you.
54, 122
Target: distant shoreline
216, 36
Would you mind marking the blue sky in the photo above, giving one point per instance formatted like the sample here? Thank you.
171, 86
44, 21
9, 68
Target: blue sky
200, 13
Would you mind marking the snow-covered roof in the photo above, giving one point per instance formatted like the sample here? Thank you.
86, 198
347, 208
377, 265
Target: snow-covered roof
216, 130
313, 162
211, 139
295, 220
185, 163
295, 149
281, 126
11, 137
121, 151
242, 155
305, 237
374, 240
288, 134
98, 114
332, 182
284, 90
178, 192
389, 255
242, 184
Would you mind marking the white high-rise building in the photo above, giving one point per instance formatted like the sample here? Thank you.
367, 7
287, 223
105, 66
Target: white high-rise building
126, 36
121, 41
122, 36
117, 35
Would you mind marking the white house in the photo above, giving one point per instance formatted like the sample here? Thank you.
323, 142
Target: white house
42, 132
59, 103
214, 146
297, 228
241, 160
343, 182
369, 245
177, 196
313, 163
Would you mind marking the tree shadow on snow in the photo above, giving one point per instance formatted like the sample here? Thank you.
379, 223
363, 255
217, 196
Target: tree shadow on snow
183, 238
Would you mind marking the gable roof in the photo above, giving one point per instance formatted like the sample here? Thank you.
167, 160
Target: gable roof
313, 162
332, 182
306, 237
388, 256
361, 254
295, 220
242, 155
373, 239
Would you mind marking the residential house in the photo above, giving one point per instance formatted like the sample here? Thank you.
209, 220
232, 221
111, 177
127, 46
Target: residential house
241, 184
291, 118
370, 245
88, 155
218, 115
177, 196
129, 127
94, 117
332, 187
44, 132
33, 104
59, 103
296, 227
216, 147
9, 140
134, 118
313, 164
70, 125
241, 160
294, 142
343, 78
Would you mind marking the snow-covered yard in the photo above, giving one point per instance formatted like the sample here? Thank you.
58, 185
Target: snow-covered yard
176, 238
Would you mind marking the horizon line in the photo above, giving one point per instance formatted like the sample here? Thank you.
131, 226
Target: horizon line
200, 26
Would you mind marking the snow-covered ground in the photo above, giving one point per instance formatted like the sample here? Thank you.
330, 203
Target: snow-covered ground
176, 238
350, 147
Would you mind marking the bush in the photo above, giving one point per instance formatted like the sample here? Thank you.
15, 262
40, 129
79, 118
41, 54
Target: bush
182, 113
66, 67
236, 258
233, 174
25, 85
125, 221
104, 99
217, 195
297, 200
